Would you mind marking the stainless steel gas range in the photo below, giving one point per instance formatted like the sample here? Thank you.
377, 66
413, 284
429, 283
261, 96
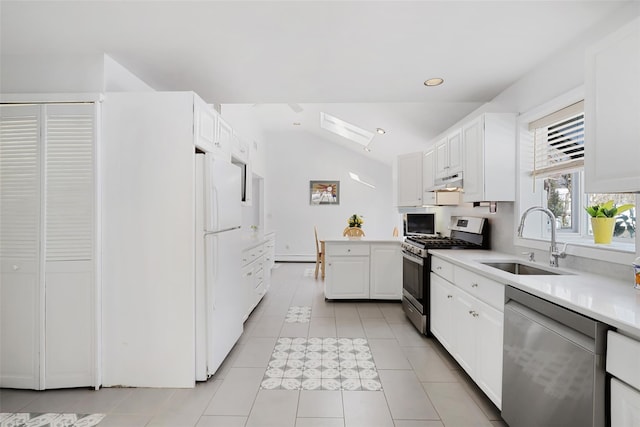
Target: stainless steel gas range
466, 233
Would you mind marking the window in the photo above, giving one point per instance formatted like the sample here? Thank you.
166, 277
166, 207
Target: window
555, 161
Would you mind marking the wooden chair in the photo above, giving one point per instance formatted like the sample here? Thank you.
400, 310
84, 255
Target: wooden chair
353, 232
319, 254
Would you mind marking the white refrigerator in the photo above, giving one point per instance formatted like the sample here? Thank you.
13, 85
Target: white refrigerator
219, 296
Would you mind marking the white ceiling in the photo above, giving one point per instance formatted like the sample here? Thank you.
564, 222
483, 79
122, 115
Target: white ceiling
362, 61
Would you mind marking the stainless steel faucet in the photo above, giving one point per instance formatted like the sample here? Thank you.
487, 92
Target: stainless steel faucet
554, 253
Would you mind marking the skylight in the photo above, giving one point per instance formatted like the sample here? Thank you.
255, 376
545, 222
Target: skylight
345, 129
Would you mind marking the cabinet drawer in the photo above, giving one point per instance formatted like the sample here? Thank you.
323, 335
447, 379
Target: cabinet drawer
623, 354
250, 255
481, 287
442, 268
347, 249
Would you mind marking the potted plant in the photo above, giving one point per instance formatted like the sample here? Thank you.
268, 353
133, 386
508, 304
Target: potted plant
603, 219
354, 229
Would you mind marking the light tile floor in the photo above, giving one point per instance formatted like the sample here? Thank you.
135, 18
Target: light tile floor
422, 386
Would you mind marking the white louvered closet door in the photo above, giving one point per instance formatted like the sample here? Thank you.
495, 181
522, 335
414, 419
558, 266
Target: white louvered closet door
48, 233
20, 250
69, 165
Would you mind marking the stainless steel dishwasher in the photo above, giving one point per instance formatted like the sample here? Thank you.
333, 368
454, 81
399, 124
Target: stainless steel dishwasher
553, 365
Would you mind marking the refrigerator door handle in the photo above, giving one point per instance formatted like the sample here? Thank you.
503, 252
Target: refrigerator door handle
208, 232
215, 273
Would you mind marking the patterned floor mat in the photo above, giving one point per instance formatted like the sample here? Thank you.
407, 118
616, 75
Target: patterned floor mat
298, 314
25, 419
321, 364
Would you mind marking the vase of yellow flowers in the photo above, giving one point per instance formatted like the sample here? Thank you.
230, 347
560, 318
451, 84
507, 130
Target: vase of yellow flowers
354, 230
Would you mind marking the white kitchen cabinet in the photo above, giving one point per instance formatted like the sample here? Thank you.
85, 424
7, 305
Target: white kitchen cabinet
204, 125
623, 353
465, 330
467, 318
223, 139
257, 261
247, 273
448, 154
442, 311
625, 405
270, 251
410, 179
347, 276
428, 172
239, 148
386, 274
612, 102
363, 270
490, 326
489, 145
49, 284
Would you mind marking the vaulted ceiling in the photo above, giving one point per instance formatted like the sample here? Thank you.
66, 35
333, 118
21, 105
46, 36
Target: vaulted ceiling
362, 61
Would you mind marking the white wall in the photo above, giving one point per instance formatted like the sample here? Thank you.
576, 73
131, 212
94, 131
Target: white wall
294, 159
98, 73
51, 73
119, 79
557, 76
243, 121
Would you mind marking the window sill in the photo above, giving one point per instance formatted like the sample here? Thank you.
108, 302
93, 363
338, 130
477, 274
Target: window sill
616, 252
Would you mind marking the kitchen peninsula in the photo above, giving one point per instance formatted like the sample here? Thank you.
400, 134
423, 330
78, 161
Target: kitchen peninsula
363, 269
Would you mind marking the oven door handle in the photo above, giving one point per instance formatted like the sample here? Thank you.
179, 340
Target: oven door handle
413, 258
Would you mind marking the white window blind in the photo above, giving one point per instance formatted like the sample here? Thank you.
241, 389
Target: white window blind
558, 141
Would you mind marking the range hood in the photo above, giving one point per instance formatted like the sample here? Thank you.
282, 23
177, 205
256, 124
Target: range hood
449, 183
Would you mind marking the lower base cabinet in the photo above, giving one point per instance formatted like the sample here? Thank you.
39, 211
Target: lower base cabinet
257, 262
469, 328
363, 270
623, 353
625, 405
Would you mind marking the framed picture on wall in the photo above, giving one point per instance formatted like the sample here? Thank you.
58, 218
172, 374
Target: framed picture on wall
324, 192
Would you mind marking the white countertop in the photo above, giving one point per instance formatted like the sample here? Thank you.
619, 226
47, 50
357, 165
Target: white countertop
614, 302
252, 239
365, 239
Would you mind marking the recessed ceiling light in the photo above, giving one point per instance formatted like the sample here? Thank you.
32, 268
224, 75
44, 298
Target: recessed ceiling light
436, 81
381, 131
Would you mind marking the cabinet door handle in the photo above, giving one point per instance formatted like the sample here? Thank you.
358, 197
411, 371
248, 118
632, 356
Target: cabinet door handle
449, 296
474, 285
438, 268
475, 314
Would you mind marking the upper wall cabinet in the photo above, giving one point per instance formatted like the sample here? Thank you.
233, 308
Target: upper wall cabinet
204, 124
489, 144
612, 118
239, 148
223, 139
428, 177
410, 179
449, 154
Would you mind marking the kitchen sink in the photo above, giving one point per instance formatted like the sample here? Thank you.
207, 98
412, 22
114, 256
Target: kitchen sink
522, 269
